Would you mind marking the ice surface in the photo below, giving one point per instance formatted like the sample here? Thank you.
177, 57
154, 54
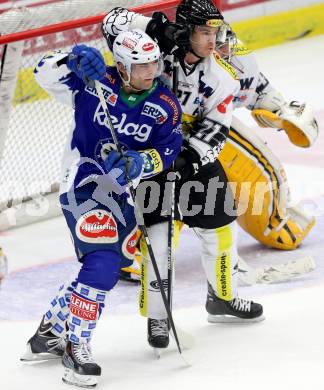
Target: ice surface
284, 351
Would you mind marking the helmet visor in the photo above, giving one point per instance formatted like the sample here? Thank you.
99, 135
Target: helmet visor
147, 70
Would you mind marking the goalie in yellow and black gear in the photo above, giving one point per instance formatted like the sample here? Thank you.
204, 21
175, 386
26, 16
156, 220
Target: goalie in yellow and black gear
267, 213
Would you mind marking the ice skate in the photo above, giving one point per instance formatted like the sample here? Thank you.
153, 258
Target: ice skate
44, 345
236, 310
80, 368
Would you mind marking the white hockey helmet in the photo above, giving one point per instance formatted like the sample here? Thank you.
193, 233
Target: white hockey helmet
136, 47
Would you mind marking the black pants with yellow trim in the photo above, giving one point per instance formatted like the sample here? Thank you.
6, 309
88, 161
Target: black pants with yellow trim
214, 224
207, 191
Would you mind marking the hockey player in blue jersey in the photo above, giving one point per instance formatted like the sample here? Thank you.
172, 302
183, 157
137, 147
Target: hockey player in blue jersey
93, 194
206, 87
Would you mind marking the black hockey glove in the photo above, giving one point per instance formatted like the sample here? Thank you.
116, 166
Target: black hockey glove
186, 164
172, 38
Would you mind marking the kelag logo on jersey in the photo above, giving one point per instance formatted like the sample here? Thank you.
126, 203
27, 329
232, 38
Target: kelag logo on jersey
154, 111
140, 133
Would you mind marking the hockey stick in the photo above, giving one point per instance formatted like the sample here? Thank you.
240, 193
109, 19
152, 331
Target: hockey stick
275, 273
139, 215
175, 76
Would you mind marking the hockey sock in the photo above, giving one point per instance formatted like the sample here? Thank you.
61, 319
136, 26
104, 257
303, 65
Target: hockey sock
59, 308
220, 259
85, 308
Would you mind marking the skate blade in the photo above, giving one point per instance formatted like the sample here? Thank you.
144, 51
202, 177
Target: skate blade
30, 356
216, 319
157, 352
74, 379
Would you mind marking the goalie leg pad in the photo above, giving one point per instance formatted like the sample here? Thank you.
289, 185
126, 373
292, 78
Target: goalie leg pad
261, 191
220, 259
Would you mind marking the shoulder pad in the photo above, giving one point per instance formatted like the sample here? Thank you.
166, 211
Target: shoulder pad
225, 65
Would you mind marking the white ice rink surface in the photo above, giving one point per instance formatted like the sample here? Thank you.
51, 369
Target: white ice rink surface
286, 351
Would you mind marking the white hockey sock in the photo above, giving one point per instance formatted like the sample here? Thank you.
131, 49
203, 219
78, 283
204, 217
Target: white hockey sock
220, 259
151, 303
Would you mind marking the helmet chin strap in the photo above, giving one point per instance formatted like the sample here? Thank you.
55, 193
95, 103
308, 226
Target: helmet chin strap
127, 82
191, 49
195, 54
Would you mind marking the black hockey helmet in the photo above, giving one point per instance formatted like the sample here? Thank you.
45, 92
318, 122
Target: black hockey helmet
198, 13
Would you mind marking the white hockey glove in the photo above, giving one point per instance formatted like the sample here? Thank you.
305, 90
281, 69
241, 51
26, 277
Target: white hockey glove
295, 118
119, 20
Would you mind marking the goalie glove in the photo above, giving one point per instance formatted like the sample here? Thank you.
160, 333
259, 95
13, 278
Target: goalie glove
296, 119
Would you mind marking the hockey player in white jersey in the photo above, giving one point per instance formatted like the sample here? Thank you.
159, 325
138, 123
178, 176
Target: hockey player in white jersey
278, 224
98, 211
206, 87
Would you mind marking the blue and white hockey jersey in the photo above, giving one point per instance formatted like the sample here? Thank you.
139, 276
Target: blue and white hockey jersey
148, 122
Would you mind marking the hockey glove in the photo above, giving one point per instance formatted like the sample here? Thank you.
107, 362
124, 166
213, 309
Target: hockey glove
131, 165
186, 164
173, 38
86, 62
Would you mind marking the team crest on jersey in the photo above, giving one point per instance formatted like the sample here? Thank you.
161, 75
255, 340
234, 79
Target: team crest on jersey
129, 244
97, 227
154, 111
109, 95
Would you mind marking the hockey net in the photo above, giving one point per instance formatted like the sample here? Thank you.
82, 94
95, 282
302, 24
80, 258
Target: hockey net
34, 127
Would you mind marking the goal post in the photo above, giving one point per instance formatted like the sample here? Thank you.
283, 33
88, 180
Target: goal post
33, 126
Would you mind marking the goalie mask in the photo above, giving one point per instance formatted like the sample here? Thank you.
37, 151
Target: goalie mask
226, 42
136, 48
